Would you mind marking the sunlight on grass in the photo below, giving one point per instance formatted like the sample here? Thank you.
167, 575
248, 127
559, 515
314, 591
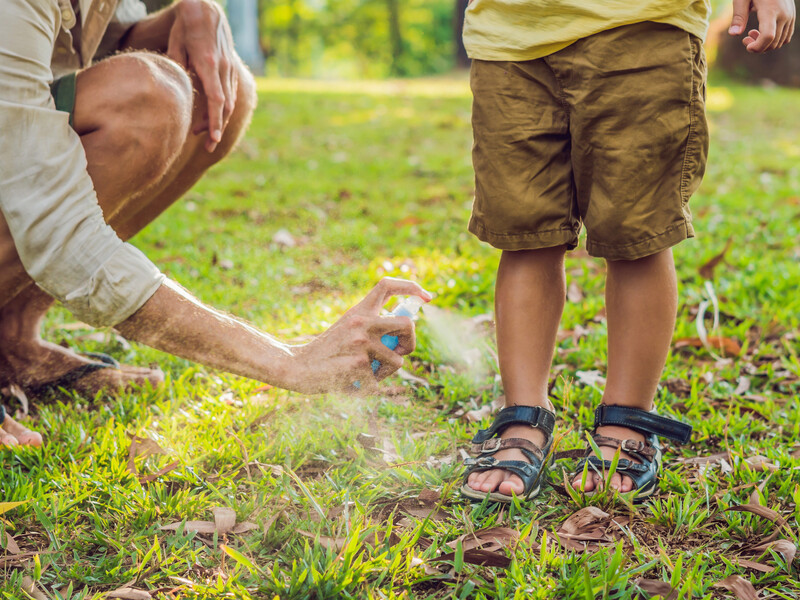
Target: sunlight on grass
357, 497
433, 87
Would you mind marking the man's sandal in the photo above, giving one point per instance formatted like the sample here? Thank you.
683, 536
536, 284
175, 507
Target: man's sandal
485, 443
645, 476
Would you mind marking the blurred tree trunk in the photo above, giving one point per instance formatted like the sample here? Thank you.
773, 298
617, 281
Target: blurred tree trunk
462, 60
395, 37
243, 18
780, 66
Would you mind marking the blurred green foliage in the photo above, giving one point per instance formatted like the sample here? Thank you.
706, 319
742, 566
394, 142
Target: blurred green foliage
349, 38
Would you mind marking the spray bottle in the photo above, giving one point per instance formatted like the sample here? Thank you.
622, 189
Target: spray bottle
409, 307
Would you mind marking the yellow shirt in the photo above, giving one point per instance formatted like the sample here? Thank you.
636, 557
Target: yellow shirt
529, 29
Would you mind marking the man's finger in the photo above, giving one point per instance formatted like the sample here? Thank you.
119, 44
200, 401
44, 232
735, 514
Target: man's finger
389, 360
388, 287
741, 12
400, 327
208, 72
766, 32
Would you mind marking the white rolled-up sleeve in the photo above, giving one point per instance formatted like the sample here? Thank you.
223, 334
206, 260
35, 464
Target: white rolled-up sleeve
46, 194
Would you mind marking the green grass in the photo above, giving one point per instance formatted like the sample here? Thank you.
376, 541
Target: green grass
374, 179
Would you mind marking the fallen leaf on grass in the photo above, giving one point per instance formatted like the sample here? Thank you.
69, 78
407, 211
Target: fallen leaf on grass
725, 345
331, 543
224, 522
141, 447
129, 593
589, 528
160, 473
707, 270
406, 376
786, 548
11, 545
740, 587
574, 293
475, 416
761, 511
756, 566
656, 587
29, 587
591, 378
760, 464
484, 558
17, 392
490, 538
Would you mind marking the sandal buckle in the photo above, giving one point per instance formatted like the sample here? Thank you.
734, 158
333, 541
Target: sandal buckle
491, 445
631, 446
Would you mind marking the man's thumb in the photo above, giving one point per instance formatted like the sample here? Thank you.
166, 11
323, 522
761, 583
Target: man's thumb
741, 12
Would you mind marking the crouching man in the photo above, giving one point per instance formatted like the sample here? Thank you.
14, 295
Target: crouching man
108, 116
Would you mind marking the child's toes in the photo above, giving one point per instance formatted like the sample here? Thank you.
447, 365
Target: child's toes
591, 482
511, 485
492, 480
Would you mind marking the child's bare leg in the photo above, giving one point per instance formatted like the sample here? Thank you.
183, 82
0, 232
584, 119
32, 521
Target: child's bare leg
529, 300
641, 304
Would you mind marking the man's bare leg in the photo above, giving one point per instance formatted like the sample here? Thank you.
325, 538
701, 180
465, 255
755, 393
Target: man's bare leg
529, 300
641, 305
132, 112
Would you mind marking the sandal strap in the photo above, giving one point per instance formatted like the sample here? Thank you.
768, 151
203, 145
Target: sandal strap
492, 445
2, 415
644, 476
642, 421
641, 450
529, 473
535, 416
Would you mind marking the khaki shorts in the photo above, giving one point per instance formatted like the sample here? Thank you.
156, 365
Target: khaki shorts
610, 132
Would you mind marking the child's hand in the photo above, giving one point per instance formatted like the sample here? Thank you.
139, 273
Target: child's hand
775, 23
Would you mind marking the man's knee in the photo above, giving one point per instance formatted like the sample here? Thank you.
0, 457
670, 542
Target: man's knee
143, 102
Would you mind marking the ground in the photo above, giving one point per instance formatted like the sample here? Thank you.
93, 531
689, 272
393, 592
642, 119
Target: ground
335, 186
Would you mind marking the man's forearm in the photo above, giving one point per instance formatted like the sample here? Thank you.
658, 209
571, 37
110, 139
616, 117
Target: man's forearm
151, 33
175, 322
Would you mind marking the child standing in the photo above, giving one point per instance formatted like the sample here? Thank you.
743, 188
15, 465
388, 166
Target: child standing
588, 112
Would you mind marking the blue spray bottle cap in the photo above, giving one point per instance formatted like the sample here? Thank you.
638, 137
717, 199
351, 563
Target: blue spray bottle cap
409, 307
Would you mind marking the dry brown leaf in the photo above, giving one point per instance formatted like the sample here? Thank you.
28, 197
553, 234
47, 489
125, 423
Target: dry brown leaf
411, 378
331, 543
17, 392
474, 416
724, 345
785, 547
761, 511
141, 447
656, 587
244, 527
484, 558
160, 473
428, 496
588, 528
760, 464
740, 587
11, 545
29, 586
574, 293
191, 526
224, 518
707, 270
491, 538
756, 566
129, 593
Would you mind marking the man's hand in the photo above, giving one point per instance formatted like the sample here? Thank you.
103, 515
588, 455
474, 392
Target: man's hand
342, 355
776, 20
200, 40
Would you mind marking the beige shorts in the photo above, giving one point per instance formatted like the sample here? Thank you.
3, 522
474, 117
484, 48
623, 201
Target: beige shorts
609, 132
